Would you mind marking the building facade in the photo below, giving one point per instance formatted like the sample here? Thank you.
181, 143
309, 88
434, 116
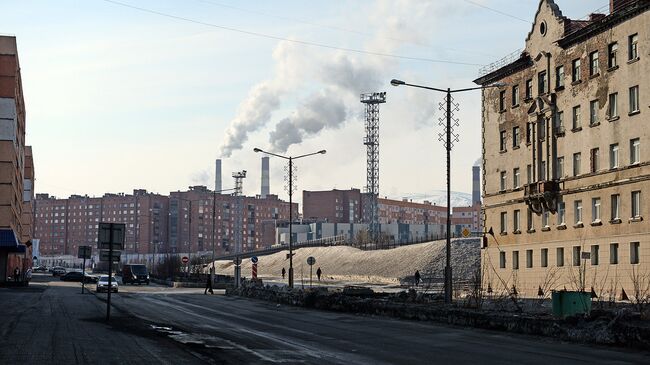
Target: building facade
566, 167
16, 167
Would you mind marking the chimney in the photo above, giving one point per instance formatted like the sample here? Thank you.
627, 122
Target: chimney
476, 185
265, 177
217, 176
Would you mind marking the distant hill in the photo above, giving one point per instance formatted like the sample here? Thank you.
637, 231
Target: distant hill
439, 197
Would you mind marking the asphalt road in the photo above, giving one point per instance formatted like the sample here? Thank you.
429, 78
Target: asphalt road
51, 322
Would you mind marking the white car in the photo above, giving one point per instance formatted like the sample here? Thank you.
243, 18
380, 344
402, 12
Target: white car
102, 284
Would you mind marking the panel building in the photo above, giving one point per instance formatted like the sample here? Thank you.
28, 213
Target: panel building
566, 160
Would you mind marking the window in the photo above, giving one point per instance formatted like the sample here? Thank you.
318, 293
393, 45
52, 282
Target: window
634, 252
616, 206
559, 77
593, 112
576, 255
636, 204
502, 100
576, 164
529, 89
503, 185
576, 117
577, 211
542, 170
504, 222
515, 260
502, 260
594, 159
612, 108
516, 216
613, 156
594, 255
515, 95
559, 256
529, 174
632, 49
634, 99
530, 224
515, 137
542, 83
541, 130
593, 63
515, 178
559, 167
635, 153
613, 253
502, 139
611, 55
529, 258
561, 216
545, 215
575, 70
544, 257
595, 209
529, 132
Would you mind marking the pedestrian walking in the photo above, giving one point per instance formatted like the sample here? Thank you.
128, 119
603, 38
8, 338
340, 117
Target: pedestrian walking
318, 273
16, 274
208, 285
417, 277
284, 272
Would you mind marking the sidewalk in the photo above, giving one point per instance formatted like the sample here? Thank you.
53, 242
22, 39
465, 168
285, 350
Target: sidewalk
56, 324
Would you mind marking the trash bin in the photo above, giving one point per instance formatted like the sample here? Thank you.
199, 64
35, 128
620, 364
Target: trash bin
569, 303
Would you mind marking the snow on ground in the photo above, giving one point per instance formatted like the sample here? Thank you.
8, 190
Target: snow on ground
352, 265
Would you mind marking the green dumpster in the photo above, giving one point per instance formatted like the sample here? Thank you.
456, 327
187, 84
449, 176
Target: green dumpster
569, 303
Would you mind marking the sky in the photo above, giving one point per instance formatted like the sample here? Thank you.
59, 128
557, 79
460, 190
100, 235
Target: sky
126, 94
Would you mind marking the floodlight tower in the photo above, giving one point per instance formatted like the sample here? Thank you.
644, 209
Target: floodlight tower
371, 141
237, 226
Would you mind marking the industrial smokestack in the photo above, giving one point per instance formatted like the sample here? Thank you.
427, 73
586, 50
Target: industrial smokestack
265, 177
217, 176
476, 185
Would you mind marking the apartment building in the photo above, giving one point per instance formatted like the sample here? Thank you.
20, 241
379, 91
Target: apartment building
16, 167
566, 154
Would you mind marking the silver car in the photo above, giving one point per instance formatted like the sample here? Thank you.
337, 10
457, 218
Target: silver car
102, 284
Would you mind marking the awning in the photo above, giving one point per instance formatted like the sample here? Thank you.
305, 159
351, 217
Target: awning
8, 239
19, 249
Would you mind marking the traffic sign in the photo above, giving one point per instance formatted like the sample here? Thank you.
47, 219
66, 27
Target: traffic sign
84, 252
104, 255
254, 259
311, 260
185, 259
466, 232
105, 230
237, 261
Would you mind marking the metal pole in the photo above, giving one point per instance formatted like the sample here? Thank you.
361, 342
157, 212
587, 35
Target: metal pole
214, 214
83, 276
448, 279
110, 273
290, 223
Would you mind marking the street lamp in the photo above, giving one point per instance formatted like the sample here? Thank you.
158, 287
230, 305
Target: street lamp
448, 146
290, 158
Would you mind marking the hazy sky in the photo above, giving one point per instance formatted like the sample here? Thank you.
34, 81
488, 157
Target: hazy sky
119, 98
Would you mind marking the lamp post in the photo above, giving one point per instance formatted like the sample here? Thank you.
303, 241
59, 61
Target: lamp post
448, 146
290, 158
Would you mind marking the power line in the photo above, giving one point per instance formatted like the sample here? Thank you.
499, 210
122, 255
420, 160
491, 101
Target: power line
340, 29
497, 11
306, 43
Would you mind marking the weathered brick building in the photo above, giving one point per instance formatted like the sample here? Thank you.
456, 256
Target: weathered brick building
16, 167
566, 164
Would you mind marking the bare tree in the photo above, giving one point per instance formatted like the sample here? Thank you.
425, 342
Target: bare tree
641, 289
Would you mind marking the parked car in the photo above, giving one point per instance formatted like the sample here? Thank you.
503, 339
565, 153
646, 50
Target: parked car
58, 271
40, 269
136, 273
77, 276
102, 284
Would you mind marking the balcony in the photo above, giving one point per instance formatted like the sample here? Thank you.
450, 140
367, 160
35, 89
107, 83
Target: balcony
559, 131
542, 196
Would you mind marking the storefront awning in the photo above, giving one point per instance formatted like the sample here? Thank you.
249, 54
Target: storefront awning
8, 239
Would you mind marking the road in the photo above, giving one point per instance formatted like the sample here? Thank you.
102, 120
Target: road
152, 324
